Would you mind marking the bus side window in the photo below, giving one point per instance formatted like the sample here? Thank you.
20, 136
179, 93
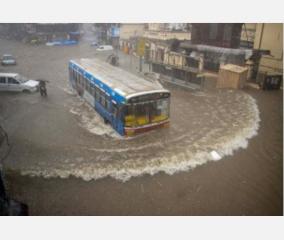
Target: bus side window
97, 91
115, 110
108, 103
103, 99
70, 73
78, 79
100, 97
74, 75
120, 112
92, 90
87, 84
81, 80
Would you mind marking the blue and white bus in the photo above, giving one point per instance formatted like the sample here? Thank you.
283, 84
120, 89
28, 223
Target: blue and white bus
129, 103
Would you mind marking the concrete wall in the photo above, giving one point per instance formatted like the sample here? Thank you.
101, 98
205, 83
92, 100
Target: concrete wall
156, 26
270, 36
226, 35
167, 26
131, 30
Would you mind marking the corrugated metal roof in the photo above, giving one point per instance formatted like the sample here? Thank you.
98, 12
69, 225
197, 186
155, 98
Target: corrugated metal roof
117, 78
208, 48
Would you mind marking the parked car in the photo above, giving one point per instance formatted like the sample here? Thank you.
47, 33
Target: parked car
94, 44
8, 59
16, 82
104, 48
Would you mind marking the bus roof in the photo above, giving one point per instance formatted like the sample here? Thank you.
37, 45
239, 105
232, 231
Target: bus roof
124, 83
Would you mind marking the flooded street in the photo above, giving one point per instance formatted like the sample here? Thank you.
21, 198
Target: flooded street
63, 137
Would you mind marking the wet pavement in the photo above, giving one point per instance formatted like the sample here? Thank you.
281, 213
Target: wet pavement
62, 136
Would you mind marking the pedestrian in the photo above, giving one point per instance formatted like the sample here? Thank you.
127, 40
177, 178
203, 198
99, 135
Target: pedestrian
42, 87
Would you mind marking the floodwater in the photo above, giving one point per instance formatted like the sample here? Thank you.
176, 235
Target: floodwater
62, 137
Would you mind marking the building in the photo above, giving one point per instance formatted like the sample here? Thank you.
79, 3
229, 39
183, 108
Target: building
167, 31
129, 30
248, 35
266, 40
207, 47
107, 33
269, 36
130, 33
160, 38
226, 35
41, 32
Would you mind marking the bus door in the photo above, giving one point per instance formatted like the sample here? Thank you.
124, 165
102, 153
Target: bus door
117, 116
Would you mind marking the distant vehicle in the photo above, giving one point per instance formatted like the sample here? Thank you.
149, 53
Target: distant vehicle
62, 43
8, 59
130, 104
104, 48
17, 83
94, 44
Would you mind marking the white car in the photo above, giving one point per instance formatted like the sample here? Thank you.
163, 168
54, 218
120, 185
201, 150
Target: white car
8, 59
17, 83
104, 48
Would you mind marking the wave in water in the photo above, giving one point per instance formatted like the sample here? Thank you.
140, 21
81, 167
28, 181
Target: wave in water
170, 163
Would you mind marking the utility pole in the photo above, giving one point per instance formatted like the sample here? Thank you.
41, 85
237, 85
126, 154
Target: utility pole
141, 53
140, 64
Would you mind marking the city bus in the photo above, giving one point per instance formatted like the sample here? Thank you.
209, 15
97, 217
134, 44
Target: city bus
130, 104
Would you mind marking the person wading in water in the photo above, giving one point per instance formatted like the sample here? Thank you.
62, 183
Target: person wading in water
42, 87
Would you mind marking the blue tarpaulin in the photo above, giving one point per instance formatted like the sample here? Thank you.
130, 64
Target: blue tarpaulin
62, 43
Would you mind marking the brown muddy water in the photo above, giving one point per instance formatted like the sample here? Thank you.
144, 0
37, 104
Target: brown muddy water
106, 175
248, 183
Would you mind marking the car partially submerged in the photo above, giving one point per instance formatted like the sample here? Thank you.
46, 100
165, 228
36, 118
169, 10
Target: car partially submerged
17, 83
8, 59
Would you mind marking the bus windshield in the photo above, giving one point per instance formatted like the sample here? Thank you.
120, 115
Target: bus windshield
141, 113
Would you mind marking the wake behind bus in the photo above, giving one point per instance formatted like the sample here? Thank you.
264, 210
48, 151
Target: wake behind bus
130, 104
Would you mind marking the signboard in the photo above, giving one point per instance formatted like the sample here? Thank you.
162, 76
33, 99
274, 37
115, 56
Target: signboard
141, 47
114, 32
